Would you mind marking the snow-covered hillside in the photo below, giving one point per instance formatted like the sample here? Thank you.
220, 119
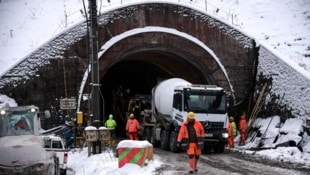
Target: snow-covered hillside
27, 25
284, 24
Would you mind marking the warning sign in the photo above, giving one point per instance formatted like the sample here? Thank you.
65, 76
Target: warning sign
67, 103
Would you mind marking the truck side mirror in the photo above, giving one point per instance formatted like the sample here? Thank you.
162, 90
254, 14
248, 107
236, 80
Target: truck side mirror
187, 92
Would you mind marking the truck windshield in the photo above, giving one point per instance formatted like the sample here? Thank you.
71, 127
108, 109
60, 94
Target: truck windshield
206, 103
17, 123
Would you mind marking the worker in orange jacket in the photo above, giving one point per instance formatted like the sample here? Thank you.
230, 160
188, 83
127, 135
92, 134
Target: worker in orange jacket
132, 127
242, 128
190, 138
232, 130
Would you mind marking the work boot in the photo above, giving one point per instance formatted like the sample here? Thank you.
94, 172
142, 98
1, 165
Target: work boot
195, 165
191, 165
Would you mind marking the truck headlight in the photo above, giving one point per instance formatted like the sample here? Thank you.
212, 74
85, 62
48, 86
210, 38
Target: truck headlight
2, 112
225, 135
38, 167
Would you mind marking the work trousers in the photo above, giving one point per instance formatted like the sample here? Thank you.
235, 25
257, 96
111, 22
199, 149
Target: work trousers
133, 136
193, 152
231, 142
242, 138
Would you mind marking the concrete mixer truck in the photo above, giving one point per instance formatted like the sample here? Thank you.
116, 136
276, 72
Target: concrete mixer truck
172, 99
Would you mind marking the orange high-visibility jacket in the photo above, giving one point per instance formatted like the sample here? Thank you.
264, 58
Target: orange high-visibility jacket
132, 125
230, 129
242, 124
183, 134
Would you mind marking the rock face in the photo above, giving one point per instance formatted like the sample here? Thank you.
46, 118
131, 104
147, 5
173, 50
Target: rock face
288, 83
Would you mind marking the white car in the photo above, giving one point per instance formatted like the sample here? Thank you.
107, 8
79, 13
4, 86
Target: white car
56, 144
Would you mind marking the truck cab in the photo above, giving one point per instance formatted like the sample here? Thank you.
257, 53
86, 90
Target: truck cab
21, 144
173, 99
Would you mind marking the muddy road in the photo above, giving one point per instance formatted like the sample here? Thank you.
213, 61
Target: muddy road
227, 163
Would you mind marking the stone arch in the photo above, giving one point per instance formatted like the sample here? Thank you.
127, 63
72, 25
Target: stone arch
235, 51
107, 62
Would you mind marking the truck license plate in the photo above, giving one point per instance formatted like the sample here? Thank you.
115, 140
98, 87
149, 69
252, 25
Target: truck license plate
18, 170
209, 135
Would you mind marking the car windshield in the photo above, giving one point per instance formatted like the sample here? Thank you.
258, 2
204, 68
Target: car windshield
17, 123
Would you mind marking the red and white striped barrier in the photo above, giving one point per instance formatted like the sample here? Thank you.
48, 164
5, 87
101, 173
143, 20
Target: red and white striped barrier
135, 152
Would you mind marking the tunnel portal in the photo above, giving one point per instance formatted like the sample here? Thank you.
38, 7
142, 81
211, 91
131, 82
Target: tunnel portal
137, 74
139, 45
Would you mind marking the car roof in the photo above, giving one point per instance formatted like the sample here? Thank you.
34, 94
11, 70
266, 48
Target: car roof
53, 137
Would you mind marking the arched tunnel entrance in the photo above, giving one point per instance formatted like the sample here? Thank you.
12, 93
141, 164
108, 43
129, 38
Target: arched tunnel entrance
139, 45
138, 74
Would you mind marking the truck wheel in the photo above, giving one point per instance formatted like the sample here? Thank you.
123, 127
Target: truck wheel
164, 140
173, 142
63, 172
219, 148
153, 140
207, 149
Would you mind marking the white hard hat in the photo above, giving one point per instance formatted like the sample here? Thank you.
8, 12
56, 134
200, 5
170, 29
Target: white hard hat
110, 116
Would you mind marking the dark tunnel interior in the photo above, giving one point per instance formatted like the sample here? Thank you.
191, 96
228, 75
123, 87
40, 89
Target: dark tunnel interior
123, 81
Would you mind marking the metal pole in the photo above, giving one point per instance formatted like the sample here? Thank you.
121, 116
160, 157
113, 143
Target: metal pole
95, 86
94, 61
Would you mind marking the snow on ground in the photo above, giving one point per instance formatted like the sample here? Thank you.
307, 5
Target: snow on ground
279, 141
105, 163
79, 163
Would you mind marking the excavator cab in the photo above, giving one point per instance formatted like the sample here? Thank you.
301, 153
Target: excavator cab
17, 121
